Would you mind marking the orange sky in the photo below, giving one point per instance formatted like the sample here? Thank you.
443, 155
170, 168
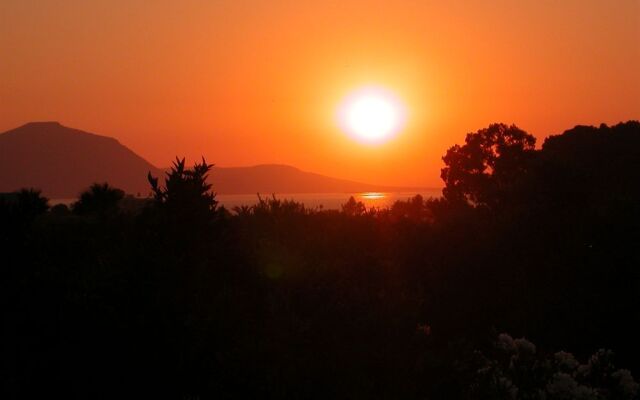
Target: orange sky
248, 82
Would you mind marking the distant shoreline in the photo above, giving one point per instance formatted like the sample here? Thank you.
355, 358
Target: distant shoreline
325, 201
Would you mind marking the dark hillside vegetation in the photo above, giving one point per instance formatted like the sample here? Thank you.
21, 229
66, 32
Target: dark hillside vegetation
176, 297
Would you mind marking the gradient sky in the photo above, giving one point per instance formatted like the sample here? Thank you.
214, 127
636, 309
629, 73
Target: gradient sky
250, 82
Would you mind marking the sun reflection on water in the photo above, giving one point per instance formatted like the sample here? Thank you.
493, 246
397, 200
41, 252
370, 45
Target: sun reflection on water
372, 195
373, 199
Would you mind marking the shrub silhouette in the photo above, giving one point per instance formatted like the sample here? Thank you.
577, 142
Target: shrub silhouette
186, 196
100, 199
278, 207
353, 208
183, 300
60, 210
21, 208
31, 202
414, 209
514, 369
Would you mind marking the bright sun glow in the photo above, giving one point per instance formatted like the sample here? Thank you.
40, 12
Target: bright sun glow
371, 115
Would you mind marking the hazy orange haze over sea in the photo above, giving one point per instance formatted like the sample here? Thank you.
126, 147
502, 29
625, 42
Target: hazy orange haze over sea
249, 82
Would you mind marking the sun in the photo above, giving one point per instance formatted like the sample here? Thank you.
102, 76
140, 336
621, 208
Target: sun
371, 115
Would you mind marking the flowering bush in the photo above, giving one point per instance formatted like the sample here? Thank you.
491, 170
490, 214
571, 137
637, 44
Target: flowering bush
515, 370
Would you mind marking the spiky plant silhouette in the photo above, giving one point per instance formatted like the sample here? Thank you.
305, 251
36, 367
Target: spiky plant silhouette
186, 195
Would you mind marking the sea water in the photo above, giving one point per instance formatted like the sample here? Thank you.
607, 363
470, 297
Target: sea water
324, 201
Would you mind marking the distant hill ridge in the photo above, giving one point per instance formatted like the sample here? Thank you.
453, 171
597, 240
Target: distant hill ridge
63, 161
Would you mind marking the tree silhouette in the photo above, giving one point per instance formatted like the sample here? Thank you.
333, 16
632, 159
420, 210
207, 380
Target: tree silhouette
353, 208
100, 199
23, 206
186, 195
414, 209
591, 166
483, 171
406, 302
31, 202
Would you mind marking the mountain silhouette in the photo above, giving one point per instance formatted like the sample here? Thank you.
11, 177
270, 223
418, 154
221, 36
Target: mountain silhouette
63, 161
275, 178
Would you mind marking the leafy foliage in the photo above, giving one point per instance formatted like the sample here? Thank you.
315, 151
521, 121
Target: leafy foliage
180, 299
514, 369
100, 200
484, 171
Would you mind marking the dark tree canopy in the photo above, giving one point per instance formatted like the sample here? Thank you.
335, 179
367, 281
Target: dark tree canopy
100, 199
483, 171
22, 207
592, 165
31, 202
414, 209
176, 299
